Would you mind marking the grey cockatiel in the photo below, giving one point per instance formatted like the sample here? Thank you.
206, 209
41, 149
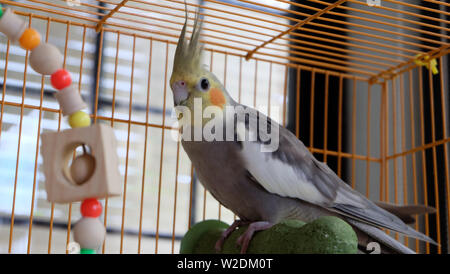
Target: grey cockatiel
262, 185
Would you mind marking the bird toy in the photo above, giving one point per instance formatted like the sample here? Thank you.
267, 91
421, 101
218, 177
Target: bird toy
93, 174
425, 61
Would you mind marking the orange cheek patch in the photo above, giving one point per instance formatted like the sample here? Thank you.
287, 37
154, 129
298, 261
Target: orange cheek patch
217, 98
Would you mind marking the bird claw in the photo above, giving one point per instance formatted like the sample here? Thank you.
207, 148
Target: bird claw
244, 240
219, 244
239, 240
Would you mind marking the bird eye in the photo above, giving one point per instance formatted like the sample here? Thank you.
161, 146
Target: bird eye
203, 84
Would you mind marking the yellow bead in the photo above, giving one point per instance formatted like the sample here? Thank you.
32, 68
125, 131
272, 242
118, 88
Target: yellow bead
79, 119
30, 39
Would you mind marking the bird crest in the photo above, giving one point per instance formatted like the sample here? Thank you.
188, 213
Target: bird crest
188, 54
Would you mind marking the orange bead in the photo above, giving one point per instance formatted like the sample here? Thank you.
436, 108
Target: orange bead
30, 39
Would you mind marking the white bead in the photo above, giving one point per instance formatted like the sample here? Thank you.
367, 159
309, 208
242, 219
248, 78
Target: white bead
12, 25
70, 100
89, 233
46, 59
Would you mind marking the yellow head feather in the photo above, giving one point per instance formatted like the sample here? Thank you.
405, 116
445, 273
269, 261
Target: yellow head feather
188, 55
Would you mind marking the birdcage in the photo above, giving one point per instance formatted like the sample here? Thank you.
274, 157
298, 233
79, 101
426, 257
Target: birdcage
363, 83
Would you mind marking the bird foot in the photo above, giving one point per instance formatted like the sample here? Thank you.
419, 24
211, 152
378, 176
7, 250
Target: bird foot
244, 240
227, 233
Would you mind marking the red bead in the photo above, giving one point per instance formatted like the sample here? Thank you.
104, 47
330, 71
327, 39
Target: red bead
61, 79
91, 208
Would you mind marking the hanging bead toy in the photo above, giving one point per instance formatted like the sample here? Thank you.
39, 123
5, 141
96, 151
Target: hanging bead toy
90, 176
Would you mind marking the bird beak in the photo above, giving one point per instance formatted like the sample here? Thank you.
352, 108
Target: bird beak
180, 92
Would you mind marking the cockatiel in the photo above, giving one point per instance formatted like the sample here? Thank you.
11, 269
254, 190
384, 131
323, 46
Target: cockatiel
263, 188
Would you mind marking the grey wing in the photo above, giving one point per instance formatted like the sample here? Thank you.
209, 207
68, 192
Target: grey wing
292, 171
367, 211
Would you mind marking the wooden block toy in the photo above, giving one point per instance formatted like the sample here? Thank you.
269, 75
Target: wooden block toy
70, 100
98, 176
12, 25
46, 59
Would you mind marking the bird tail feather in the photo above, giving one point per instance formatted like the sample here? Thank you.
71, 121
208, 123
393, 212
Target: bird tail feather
380, 236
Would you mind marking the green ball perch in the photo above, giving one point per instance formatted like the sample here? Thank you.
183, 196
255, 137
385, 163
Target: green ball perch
325, 235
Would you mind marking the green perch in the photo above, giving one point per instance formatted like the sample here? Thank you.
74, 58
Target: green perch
325, 235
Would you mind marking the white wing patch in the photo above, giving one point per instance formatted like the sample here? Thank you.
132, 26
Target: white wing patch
278, 177
286, 180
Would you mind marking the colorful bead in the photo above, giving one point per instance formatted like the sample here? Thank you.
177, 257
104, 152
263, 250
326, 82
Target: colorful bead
91, 208
12, 25
61, 79
46, 59
79, 119
70, 100
30, 39
89, 233
87, 251
1, 10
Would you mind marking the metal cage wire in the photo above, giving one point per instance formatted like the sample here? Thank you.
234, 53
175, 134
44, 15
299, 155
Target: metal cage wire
376, 57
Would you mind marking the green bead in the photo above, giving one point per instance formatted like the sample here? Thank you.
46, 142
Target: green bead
1, 11
87, 251
79, 119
